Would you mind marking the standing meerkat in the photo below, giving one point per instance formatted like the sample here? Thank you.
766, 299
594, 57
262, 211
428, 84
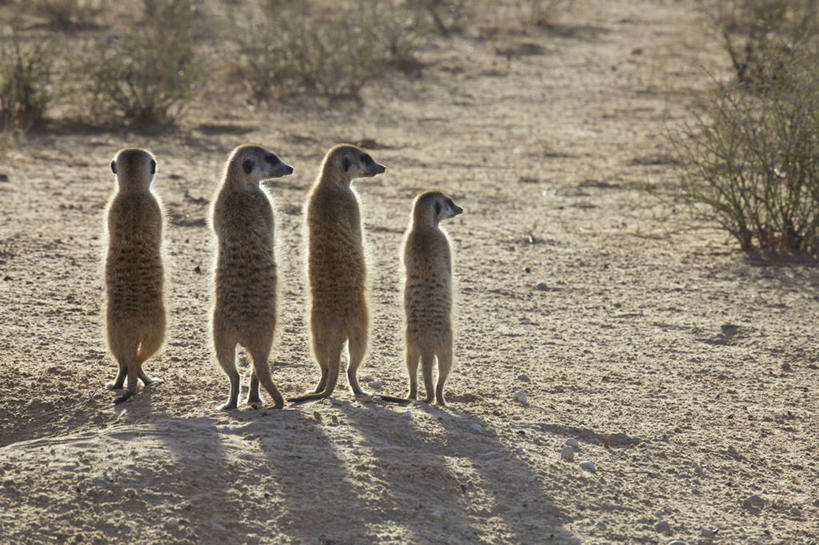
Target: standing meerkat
244, 278
427, 259
134, 275
336, 267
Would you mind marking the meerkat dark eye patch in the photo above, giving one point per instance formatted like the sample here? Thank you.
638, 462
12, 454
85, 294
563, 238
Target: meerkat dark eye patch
114, 167
153, 166
345, 164
367, 160
247, 165
437, 208
271, 159
450, 204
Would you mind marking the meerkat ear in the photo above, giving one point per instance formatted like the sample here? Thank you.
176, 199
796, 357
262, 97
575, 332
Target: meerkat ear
437, 208
153, 166
247, 165
345, 164
114, 166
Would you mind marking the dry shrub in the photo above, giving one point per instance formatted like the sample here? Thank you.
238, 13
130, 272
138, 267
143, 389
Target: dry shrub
66, 15
313, 49
761, 36
146, 74
26, 72
752, 162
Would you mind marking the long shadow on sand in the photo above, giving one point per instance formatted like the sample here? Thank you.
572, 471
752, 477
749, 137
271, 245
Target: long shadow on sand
449, 479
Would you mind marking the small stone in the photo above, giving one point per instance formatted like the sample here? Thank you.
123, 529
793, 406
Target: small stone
708, 532
334, 420
586, 465
676, 542
541, 286
600, 525
523, 377
520, 397
4, 178
704, 541
476, 428
317, 416
567, 453
197, 269
787, 367
662, 526
217, 526
753, 502
377, 384
572, 442
659, 514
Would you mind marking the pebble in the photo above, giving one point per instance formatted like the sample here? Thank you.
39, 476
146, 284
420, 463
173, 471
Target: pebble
662, 526
787, 367
520, 397
523, 377
567, 453
704, 541
676, 542
708, 532
217, 526
476, 428
588, 466
541, 286
753, 502
377, 384
572, 442
659, 514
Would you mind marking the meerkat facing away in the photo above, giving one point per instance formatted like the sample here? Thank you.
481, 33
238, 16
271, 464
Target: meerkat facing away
134, 275
244, 310
427, 260
336, 267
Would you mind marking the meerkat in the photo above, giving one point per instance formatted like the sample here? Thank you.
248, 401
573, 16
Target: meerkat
134, 274
244, 277
336, 267
427, 260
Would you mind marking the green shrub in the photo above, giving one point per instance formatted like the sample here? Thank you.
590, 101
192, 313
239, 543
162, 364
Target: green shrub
752, 162
25, 82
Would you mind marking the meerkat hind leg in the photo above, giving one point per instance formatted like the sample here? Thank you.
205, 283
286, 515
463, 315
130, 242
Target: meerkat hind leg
412, 368
117, 383
253, 398
133, 376
357, 346
259, 353
427, 363
226, 354
328, 353
444, 365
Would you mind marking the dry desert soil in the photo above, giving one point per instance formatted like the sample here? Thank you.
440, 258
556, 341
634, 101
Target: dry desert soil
588, 308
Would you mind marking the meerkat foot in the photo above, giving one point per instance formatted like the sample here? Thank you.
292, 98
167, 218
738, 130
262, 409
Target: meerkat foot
229, 406
429, 399
151, 381
123, 398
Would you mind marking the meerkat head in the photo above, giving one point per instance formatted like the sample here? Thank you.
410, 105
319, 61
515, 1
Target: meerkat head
433, 206
135, 169
248, 165
348, 162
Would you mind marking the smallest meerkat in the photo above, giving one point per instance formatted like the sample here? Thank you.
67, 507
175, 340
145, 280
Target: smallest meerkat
134, 275
427, 259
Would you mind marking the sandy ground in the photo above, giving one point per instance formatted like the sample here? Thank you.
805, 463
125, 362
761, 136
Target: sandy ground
686, 372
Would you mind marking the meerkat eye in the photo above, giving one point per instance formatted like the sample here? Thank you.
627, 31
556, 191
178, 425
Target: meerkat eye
114, 167
247, 165
271, 158
366, 159
450, 204
153, 166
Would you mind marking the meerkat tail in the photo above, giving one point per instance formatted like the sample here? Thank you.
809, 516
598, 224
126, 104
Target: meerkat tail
262, 372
